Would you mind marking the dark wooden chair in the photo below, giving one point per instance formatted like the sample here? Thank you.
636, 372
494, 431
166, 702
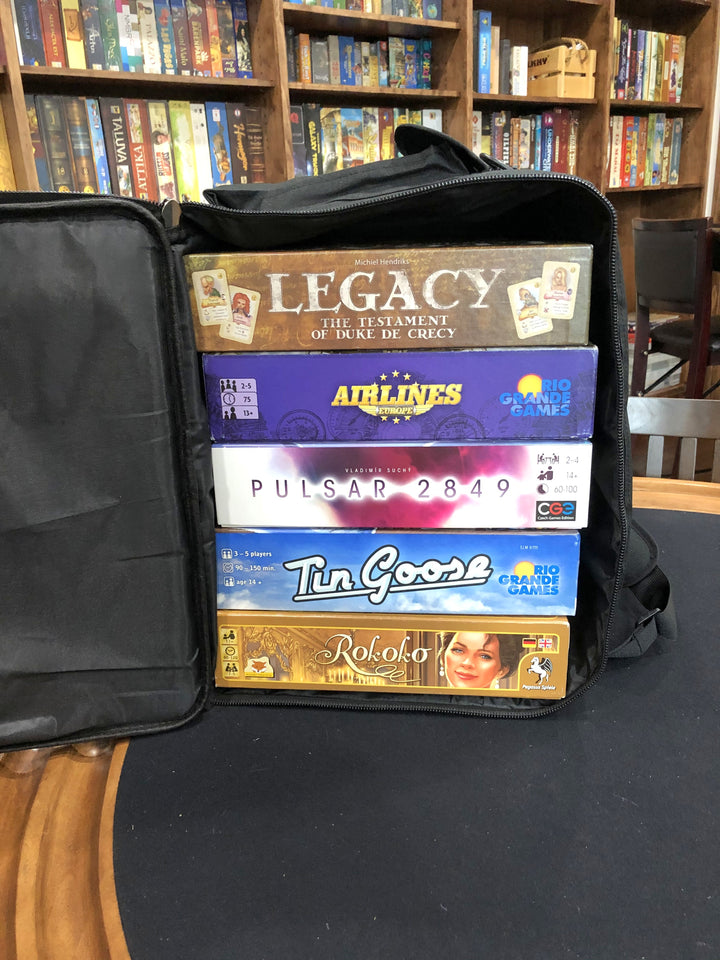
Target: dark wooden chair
673, 274
689, 419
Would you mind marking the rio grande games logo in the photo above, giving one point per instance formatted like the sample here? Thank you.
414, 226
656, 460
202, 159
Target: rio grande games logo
532, 579
535, 397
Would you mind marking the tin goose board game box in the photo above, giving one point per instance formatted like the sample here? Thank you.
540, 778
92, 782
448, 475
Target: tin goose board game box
384, 299
501, 573
491, 656
433, 485
496, 394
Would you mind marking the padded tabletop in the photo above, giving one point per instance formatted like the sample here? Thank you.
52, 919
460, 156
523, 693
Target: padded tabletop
260, 833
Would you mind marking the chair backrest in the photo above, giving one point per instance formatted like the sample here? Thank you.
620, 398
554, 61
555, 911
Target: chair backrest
673, 263
660, 417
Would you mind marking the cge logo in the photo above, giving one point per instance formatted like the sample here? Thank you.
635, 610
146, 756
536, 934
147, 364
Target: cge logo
555, 510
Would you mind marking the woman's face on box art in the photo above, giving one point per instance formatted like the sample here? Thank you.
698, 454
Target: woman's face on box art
473, 660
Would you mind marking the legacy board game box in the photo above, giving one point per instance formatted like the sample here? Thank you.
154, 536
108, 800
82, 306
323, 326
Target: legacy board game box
379, 299
490, 656
420, 395
495, 485
503, 573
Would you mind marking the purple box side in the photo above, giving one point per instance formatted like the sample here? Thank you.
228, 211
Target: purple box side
514, 394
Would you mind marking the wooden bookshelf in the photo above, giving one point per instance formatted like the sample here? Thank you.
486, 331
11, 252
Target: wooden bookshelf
531, 22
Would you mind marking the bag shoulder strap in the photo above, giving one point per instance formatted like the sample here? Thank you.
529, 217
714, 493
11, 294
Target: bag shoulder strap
645, 609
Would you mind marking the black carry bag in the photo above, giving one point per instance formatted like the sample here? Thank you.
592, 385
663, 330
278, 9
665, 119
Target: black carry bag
107, 620
106, 516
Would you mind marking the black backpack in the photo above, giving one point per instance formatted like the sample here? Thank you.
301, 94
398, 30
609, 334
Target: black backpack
402, 200
107, 619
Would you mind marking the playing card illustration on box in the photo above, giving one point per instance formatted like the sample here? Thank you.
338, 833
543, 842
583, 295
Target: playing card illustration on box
496, 394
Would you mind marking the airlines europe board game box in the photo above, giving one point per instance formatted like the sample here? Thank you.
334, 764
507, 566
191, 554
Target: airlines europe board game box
490, 656
503, 573
379, 299
421, 395
434, 485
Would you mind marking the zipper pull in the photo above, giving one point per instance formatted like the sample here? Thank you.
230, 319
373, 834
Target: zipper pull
170, 212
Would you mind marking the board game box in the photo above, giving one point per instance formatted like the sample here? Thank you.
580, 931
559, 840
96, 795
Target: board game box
433, 485
383, 299
497, 394
485, 656
500, 573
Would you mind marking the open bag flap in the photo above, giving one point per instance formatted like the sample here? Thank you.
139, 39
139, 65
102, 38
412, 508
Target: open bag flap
426, 160
106, 518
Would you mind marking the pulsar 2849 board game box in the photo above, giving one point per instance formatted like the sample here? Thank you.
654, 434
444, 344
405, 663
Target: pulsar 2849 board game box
497, 394
523, 573
380, 299
435, 485
491, 656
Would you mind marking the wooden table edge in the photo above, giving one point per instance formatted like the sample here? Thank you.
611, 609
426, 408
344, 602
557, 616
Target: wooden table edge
690, 496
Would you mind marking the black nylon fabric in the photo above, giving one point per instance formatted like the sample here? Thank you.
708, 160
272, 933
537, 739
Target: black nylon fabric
429, 164
263, 833
105, 511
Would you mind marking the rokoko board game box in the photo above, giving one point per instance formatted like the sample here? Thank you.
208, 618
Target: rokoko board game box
501, 573
433, 485
379, 299
496, 394
491, 656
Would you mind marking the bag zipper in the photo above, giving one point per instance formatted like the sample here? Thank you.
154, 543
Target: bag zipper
505, 174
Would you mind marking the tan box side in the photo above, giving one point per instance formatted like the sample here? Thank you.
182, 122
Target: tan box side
405, 298
454, 655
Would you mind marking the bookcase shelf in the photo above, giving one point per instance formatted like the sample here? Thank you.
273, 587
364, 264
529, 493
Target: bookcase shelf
529, 101
612, 191
529, 22
330, 20
329, 90
35, 78
649, 106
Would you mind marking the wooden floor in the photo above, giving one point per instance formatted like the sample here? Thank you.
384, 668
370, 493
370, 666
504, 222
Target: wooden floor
57, 887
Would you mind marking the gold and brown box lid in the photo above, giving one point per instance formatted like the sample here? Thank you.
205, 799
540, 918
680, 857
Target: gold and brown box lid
391, 299
460, 655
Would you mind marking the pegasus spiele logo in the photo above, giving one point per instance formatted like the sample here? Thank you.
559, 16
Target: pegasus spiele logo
396, 394
535, 397
541, 667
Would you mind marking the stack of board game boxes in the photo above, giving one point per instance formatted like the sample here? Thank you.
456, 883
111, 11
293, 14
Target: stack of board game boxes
401, 457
